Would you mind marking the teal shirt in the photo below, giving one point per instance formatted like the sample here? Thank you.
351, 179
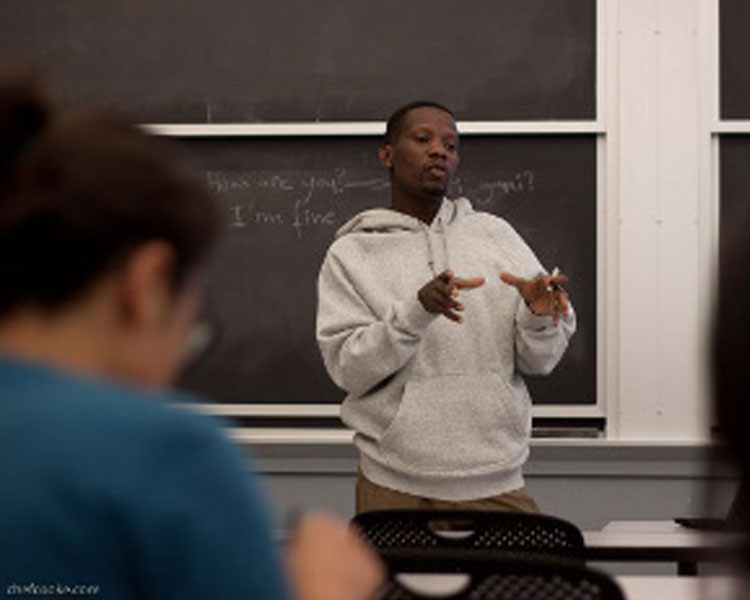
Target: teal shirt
103, 485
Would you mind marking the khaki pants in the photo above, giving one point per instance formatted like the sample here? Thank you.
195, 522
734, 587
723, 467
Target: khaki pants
371, 496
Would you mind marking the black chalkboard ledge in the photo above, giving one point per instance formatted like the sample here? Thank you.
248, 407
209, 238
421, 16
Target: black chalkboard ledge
365, 128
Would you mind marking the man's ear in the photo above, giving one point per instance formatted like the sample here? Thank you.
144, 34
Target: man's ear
385, 155
144, 289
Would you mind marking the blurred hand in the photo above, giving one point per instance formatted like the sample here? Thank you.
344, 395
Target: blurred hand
438, 296
327, 560
543, 295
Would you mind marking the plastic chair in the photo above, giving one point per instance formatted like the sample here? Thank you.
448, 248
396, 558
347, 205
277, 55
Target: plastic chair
396, 531
528, 577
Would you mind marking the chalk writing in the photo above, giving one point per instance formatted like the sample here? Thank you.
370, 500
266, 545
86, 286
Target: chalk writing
307, 217
241, 216
260, 198
337, 182
305, 200
236, 219
517, 183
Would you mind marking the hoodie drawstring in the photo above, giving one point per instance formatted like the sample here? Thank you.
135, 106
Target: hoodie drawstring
431, 258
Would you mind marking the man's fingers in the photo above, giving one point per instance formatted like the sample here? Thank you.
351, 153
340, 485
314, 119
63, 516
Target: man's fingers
448, 303
446, 288
560, 307
440, 302
473, 282
453, 316
443, 291
445, 276
511, 279
559, 280
549, 281
443, 295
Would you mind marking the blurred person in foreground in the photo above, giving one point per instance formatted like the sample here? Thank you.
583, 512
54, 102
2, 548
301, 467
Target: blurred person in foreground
729, 367
106, 490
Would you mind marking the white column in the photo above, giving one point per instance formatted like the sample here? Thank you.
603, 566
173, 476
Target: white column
659, 251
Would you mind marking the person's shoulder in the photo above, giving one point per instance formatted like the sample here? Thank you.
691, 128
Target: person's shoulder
343, 245
369, 231
489, 222
373, 224
121, 415
156, 419
105, 436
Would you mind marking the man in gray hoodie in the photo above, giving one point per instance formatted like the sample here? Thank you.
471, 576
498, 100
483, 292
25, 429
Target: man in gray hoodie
427, 314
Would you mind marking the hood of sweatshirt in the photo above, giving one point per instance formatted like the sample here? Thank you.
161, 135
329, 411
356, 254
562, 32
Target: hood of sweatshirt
387, 220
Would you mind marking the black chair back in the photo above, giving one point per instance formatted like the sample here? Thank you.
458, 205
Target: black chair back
398, 530
527, 577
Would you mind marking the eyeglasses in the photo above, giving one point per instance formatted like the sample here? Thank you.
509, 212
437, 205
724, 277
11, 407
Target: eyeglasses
204, 334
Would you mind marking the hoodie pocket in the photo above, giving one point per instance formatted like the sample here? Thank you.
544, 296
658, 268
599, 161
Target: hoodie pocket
458, 423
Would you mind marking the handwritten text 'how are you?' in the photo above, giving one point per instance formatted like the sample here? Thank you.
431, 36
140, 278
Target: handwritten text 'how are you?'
306, 201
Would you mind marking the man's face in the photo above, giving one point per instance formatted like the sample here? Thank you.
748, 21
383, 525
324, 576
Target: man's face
424, 155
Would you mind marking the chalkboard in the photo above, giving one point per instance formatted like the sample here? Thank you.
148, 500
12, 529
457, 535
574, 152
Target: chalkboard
283, 200
193, 61
734, 181
734, 50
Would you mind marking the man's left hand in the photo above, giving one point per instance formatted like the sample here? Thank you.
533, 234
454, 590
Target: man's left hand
544, 295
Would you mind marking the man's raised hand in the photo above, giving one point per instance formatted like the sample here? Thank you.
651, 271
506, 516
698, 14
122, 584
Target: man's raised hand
544, 295
439, 296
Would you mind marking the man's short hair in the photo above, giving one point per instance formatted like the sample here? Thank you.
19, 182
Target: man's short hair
396, 120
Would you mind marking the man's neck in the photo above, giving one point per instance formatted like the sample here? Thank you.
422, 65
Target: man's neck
423, 208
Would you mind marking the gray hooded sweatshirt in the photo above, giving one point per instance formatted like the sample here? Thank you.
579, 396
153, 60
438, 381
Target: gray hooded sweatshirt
439, 409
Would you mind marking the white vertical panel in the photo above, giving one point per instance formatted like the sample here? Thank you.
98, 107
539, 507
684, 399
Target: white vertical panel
708, 206
660, 203
638, 359
678, 192
608, 330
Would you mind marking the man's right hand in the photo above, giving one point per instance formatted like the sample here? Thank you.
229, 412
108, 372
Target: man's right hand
439, 295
